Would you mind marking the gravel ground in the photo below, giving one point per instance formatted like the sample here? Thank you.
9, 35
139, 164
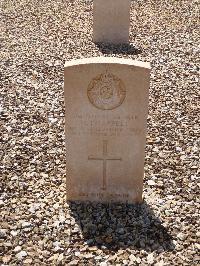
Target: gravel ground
37, 225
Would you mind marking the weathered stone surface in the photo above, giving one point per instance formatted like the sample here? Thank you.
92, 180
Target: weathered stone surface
111, 21
106, 110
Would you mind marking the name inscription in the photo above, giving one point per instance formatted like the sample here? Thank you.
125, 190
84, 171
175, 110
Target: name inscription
102, 125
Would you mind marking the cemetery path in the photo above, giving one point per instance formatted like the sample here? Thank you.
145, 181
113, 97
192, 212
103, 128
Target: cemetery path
37, 225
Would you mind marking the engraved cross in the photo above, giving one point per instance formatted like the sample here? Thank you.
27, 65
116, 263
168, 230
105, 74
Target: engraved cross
104, 158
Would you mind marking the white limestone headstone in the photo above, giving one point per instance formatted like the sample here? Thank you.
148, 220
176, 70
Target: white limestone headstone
111, 21
106, 103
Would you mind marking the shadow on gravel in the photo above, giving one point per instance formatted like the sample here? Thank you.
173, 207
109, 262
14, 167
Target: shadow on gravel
118, 49
120, 226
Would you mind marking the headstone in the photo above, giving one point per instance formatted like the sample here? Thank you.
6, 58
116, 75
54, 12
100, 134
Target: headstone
106, 103
111, 21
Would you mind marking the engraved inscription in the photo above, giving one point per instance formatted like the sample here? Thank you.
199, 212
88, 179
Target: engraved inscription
106, 91
103, 195
104, 159
103, 125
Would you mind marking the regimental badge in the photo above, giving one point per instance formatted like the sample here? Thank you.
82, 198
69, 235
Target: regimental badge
106, 91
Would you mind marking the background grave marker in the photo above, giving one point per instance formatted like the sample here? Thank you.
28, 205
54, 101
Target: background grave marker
111, 21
